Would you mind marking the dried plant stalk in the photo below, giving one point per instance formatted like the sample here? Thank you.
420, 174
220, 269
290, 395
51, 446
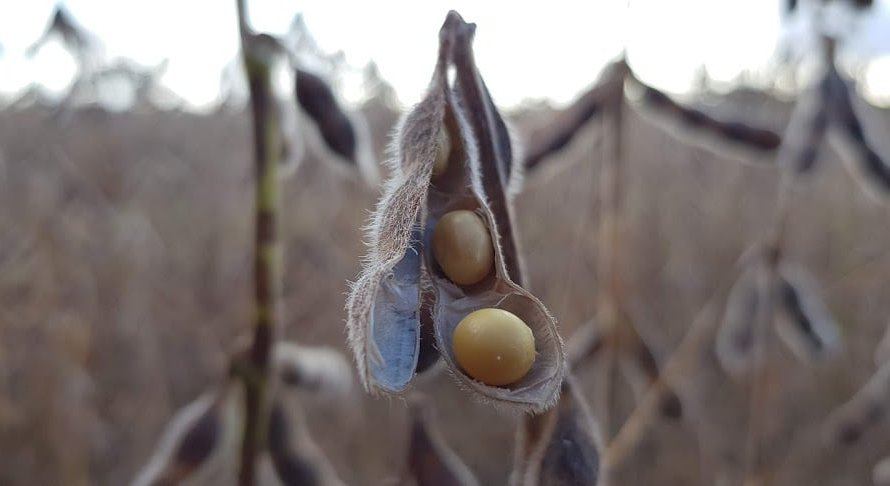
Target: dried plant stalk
430, 461
806, 129
641, 370
385, 306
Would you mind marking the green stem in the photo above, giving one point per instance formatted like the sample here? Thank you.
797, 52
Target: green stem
267, 254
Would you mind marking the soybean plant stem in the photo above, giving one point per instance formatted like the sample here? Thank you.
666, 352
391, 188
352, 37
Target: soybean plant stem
759, 396
257, 58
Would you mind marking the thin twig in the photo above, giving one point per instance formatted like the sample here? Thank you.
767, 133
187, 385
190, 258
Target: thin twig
675, 366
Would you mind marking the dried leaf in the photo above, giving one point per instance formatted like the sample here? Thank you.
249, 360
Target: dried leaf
430, 461
804, 323
200, 436
560, 446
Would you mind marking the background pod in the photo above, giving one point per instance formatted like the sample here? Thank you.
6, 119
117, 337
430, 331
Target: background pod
803, 321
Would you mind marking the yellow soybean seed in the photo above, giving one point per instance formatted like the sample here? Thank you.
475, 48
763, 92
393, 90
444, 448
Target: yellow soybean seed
462, 247
443, 153
494, 346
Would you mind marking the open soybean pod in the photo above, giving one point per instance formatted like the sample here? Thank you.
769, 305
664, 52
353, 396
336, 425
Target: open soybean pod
559, 447
430, 461
198, 440
296, 459
744, 305
456, 134
468, 205
344, 134
722, 137
804, 322
872, 172
862, 412
384, 306
806, 129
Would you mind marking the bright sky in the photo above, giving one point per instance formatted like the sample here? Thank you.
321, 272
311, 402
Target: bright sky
523, 50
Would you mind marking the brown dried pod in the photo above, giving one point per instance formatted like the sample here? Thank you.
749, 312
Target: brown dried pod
563, 127
736, 138
735, 338
321, 370
384, 307
560, 446
848, 134
296, 459
201, 436
804, 322
343, 133
430, 461
862, 412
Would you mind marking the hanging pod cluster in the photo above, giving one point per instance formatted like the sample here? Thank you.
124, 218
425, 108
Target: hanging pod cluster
771, 291
828, 107
443, 261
